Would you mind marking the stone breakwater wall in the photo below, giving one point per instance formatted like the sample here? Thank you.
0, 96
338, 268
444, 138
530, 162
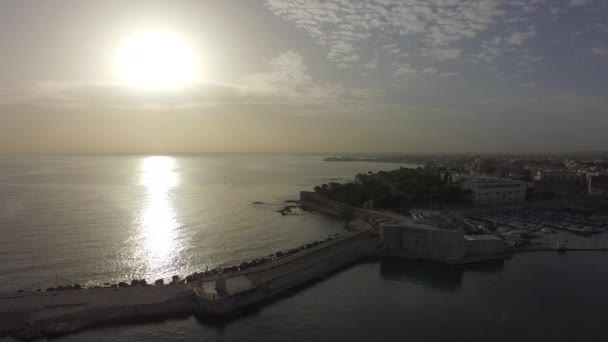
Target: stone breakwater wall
34, 314
290, 273
31, 315
315, 202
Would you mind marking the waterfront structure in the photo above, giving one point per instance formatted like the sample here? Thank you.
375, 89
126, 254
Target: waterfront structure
34, 314
597, 184
560, 183
411, 239
494, 191
482, 166
511, 171
421, 241
484, 245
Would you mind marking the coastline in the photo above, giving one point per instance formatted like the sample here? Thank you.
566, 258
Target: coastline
33, 314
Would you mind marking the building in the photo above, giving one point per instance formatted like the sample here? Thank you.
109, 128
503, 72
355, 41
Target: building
564, 184
421, 241
483, 166
484, 245
597, 184
518, 172
427, 242
494, 191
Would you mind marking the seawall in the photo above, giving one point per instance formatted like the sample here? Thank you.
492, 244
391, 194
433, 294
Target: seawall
252, 287
315, 202
33, 314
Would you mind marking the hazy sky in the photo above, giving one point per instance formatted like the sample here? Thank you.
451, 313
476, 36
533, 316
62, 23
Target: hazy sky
310, 76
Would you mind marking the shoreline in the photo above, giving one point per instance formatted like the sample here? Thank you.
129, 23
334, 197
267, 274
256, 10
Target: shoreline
217, 295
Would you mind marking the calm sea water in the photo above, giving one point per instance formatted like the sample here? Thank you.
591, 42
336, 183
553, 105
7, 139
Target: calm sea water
97, 219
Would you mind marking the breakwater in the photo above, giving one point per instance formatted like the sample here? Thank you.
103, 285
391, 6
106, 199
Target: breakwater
33, 314
315, 202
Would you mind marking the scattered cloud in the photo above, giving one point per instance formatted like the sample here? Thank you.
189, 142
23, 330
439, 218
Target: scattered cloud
430, 70
518, 38
436, 29
371, 64
442, 53
342, 25
578, 2
404, 69
528, 58
599, 51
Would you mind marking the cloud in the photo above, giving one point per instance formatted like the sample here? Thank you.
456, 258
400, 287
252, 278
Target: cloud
442, 53
599, 51
441, 30
343, 53
285, 84
578, 2
518, 38
430, 70
344, 25
371, 64
404, 69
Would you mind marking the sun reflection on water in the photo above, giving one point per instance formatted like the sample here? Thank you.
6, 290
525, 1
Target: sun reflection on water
158, 218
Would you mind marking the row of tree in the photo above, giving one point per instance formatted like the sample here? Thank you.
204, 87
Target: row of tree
400, 189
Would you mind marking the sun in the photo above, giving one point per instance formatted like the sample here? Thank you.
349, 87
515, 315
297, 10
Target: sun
156, 60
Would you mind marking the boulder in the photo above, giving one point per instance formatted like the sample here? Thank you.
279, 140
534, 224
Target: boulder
50, 289
134, 282
77, 286
122, 284
159, 282
143, 282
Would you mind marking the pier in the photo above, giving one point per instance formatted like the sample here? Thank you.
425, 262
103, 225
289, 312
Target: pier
34, 314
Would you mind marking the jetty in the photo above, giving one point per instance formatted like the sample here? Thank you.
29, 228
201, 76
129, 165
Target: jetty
34, 314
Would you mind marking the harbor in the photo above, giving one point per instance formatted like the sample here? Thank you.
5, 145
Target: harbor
226, 290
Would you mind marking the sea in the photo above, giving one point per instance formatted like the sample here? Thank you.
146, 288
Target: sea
102, 219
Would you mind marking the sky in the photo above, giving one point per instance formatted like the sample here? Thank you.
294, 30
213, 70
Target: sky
305, 76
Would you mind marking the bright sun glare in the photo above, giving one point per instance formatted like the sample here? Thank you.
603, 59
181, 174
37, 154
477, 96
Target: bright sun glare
156, 60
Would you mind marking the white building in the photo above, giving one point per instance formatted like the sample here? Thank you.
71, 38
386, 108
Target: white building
495, 191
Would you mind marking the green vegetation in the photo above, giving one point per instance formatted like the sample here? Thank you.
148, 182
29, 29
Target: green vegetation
398, 190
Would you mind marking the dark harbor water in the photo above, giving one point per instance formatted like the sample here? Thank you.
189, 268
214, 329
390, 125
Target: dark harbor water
95, 219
